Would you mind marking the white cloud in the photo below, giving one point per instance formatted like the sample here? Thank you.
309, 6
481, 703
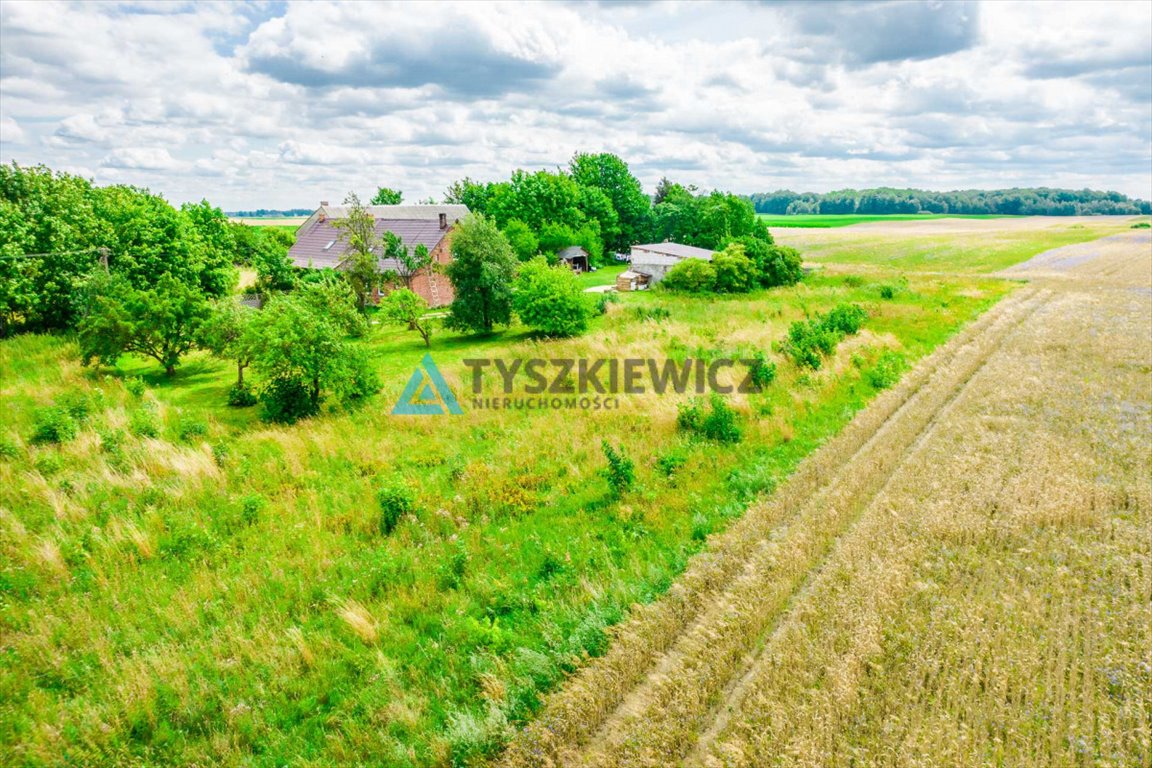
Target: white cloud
225, 101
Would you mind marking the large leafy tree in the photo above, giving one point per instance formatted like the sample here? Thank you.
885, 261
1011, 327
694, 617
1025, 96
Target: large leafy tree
162, 322
611, 175
481, 271
550, 299
303, 358
386, 196
49, 232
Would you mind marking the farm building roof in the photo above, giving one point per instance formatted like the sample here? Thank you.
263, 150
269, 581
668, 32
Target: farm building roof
572, 252
319, 244
675, 250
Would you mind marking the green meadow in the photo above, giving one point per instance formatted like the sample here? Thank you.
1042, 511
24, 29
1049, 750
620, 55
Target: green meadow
830, 220
182, 583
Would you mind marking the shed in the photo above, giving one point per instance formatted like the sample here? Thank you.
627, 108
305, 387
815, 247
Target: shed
575, 257
655, 259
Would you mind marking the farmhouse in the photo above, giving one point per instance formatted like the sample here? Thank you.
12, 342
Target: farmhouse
319, 244
575, 257
655, 259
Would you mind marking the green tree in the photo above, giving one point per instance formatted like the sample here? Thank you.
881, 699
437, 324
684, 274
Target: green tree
403, 307
735, 272
691, 276
408, 261
226, 334
303, 357
482, 269
611, 175
361, 265
522, 239
474, 194
386, 196
162, 322
549, 299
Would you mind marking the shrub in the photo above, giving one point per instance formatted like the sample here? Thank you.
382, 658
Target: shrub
396, 500
809, 341
48, 463
780, 266
887, 292
144, 422
112, 440
670, 462
451, 572
735, 272
550, 300
78, 404
9, 449
250, 508
54, 425
762, 372
620, 472
135, 386
603, 300
846, 319
720, 422
886, 371
287, 400
691, 276
853, 281
1141, 225
190, 430
241, 396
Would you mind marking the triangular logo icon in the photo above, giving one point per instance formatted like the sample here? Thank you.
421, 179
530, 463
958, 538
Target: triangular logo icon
427, 394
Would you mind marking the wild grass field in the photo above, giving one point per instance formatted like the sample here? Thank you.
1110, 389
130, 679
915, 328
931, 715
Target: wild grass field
832, 220
184, 584
962, 577
949, 245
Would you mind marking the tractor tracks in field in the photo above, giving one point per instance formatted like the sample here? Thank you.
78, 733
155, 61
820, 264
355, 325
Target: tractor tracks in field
678, 667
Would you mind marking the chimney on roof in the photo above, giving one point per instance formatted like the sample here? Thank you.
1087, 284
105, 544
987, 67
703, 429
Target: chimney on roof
443, 221
323, 203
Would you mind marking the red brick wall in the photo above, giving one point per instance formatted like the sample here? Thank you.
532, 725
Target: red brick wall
422, 280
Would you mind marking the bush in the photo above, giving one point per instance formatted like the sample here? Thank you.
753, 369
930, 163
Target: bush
783, 266
691, 276
670, 462
451, 572
396, 500
887, 292
1141, 225
241, 396
886, 371
190, 430
603, 300
78, 404
720, 423
846, 319
135, 386
112, 441
54, 425
620, 472
9, 449
250, 508
762, 372
287, 400
144, 422
735, 272
550, 300
809, 341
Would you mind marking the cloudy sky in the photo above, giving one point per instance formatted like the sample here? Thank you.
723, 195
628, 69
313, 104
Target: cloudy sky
282, 105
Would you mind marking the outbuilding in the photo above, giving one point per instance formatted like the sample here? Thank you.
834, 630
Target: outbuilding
655, 259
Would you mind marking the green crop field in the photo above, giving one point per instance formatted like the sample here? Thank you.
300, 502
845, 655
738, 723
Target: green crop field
207, 588
825, 221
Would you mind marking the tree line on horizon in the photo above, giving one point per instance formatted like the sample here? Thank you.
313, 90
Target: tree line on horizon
1035, 201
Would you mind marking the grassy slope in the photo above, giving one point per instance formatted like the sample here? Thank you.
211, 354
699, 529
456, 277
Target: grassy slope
829, 220
229, 599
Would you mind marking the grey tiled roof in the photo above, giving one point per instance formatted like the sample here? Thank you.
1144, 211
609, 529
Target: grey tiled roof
319, 244
676, 250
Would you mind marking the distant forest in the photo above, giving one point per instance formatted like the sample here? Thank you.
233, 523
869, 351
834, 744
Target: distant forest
265, 213
1040, 201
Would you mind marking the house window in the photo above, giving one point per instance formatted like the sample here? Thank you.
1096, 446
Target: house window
330, 244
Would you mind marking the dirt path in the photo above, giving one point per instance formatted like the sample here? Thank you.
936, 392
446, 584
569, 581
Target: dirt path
962, 575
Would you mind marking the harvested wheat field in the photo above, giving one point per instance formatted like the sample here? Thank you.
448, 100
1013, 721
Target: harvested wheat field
962, 577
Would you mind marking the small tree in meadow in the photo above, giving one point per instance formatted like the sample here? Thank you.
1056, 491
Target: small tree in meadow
621, 472
403, 307
226, 335
550, 300
162, 322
